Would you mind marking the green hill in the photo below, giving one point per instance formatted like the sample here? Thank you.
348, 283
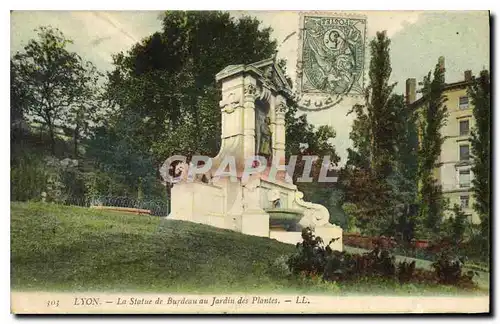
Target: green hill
79, 249
59, 247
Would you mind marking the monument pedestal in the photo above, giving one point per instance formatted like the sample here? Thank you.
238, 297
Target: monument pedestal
199, 203
255, 222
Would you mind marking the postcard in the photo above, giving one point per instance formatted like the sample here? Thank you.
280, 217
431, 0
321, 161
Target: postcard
250, 162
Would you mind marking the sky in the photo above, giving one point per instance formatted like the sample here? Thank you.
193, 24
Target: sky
418, 38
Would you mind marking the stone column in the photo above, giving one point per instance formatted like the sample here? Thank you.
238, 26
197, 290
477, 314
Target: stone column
250, 92
279, 143
231, 106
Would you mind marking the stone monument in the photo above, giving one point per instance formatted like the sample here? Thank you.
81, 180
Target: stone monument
253, 106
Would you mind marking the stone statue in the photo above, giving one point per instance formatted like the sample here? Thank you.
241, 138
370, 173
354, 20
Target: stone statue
265, 138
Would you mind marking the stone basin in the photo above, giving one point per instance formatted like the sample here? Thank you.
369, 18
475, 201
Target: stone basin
284, 219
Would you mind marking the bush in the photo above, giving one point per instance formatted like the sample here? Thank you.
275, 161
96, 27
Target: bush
448, 270
279, 267
454, 228
406, 271
28, 177
310, 258
64, 180
35, 177
314, 259
477, 249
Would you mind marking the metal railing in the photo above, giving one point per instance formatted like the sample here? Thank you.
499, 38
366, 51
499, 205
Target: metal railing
156, 206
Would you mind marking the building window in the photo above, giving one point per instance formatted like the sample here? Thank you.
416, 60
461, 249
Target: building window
463, 102
464, 152
464, 202
464, 127
464, 179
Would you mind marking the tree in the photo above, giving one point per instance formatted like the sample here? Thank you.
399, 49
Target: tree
360, 135
55, 84
479, 91
167, 83
379, 107
458, 225
163, 93
433, 118
119, 167
303, 139
17, 99
404, 180
366, 177
86, 114
168, 79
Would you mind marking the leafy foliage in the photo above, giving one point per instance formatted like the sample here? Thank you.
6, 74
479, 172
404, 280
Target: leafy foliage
434, 114
449, 270
166, 101
480, 94
314, 259
168, 81
405, 271
161, 99
404, 180
27, 177
380, 174
457, 225
35, 177
379, 106
311, 255
54, 86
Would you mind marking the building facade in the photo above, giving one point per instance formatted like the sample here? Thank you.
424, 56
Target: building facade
454, 174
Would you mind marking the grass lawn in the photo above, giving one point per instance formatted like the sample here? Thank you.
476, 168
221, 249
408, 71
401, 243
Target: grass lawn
79, 249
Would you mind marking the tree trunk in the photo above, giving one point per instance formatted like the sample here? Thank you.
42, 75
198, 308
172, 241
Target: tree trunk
75, 141
52, 139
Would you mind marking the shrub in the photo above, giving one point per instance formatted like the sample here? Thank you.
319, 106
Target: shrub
385, 263
405, 271
313, 259
28, 177
279, 267
477, 249
64, 180
448, 270
454, 228
310, 258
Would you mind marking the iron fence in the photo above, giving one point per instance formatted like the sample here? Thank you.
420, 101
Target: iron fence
156, 206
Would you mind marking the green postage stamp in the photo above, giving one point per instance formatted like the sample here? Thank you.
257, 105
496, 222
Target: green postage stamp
331, 59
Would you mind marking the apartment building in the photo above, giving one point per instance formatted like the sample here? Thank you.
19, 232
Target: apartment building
455, 173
